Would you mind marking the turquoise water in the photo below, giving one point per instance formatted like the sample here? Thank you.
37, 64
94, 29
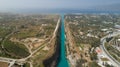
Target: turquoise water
63, 61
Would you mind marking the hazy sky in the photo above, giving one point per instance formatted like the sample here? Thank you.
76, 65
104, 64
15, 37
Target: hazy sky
48, 4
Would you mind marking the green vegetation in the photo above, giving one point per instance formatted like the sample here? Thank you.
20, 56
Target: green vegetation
18, 32
15, 49
4, 31
114, 52
25, 34
39, 57
107, 65
89, 29
93, 64
26, 65
81, 62
109, 39
93, 56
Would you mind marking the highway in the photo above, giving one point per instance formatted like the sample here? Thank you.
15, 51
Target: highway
102, 46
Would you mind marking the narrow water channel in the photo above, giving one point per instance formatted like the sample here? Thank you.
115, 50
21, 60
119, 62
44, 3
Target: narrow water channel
63, 60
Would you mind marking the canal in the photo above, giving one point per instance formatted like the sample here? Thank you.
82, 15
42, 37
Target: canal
63, 60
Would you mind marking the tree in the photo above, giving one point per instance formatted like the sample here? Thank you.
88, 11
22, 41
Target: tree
93, 56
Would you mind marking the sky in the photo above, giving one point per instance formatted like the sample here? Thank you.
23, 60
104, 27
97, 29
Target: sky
54, 4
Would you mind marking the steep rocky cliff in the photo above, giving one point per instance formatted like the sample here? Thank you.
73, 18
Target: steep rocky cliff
53, 59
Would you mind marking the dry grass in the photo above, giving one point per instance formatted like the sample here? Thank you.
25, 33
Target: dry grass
3, 64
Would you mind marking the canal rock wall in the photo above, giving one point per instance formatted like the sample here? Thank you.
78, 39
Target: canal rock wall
73, 54
53, 59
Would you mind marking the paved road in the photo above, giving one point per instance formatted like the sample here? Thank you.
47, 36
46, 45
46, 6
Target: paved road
102, 46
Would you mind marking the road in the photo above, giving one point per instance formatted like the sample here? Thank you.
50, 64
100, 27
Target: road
55, 31
102, 46
23, 60
8, 60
